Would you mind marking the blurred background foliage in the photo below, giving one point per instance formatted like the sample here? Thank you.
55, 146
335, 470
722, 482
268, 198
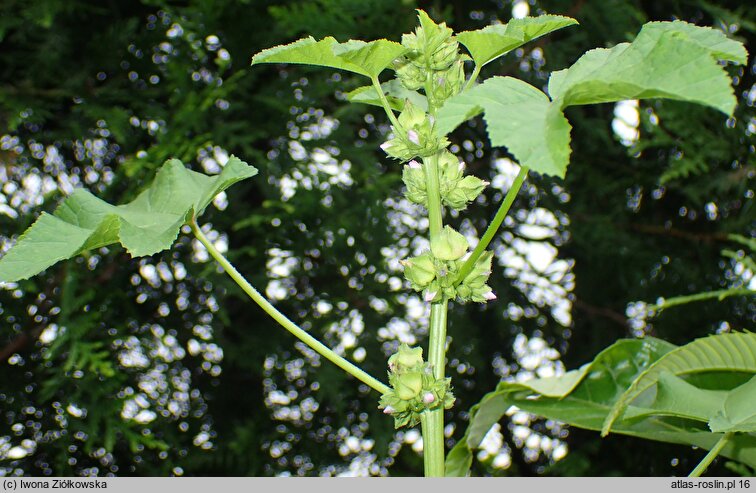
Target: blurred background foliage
159, 366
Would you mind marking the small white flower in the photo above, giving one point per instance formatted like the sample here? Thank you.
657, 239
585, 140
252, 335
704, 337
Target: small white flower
385, 146
429, 398
414, 164
388, 410
429, 295
489, 296
413, 137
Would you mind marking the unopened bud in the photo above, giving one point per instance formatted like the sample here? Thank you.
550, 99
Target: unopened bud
429, 398
410, 75
445, 55
448, 244
411, 115
388, 410
420, 271
413, 137
406, 357
489, 296
409, 385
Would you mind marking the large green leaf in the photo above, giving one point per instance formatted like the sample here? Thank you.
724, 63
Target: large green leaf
368, 59
396, 95
673, 60
739, 410
519, 117
734, 352
677, 397
591, 379
493, 41
658, 416
147, 225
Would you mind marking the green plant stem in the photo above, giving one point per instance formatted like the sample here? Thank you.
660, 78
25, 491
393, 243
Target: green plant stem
495, 224
428, 89
433, 421
719, 295
432, 427
433, 188
713, 453
287, 324
473, 77
385, 104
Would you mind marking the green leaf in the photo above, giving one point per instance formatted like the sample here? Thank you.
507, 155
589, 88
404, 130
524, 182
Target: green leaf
368, 59
587, 403
739, 411
713, 40
395, 92
491, 42
677, 397
602, 380
519, 117
721, 352
673, 60
145, 226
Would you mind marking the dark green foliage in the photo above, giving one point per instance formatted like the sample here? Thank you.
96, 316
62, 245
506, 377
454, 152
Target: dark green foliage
627, 237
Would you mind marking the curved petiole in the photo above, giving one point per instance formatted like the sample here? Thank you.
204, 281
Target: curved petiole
279, 317
495, 224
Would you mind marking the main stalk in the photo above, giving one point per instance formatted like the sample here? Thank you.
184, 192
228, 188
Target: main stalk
433, 420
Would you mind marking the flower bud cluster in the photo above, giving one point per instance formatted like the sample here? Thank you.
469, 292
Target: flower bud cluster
415, 135
447, 83
434, 58
436, 273
414, 389
456, 189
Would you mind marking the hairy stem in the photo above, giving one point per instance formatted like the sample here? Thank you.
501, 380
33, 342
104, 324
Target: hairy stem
495, 224
713, 453
287, 324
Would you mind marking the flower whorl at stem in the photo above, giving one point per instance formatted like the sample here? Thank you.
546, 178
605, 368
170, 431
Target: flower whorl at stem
414, 389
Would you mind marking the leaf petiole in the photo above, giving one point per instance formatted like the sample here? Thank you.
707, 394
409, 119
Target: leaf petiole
385, 103
473, 77
279, 317
713, 453
493, 227
718, 295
